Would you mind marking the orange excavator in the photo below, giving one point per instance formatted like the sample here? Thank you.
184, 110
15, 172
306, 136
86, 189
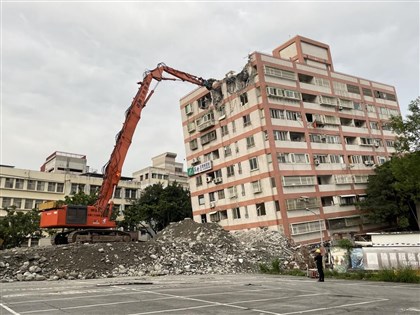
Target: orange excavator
93, 223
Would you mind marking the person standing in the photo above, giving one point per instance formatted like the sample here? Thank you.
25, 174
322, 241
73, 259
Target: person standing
319, 265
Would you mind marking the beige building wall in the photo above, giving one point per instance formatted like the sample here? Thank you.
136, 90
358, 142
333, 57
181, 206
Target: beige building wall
287, 144
164, 170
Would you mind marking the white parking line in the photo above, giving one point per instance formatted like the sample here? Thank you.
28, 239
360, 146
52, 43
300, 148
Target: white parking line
333, 307
8, 309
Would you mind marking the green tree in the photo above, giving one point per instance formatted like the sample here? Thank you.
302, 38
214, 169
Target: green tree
408, 130
393, 191
158, 206
17, 225
80, 198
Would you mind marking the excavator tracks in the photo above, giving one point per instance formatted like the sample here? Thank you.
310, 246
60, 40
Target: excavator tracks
90, 236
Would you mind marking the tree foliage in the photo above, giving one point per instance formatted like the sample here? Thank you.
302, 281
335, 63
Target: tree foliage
158, 206
408, 130
17, 225
394, 190
80, 198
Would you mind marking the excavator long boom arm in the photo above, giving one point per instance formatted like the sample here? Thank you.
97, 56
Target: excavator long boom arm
112, 170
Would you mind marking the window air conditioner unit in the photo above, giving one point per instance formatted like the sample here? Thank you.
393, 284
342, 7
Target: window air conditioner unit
209, 179
195, 160
340, 107
368, 163
323, 137
218, 180
212, 204
316, 162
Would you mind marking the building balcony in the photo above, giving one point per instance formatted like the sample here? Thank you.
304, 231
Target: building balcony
206, 125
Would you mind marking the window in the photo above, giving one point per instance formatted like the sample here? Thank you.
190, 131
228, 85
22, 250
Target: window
31, 185
223, 214
260, 209
130, 193
300, 158
6, 202
298, 181
188, 109
40, 186
19, 183
390, 143
51, 187
9, 182
194, 144
374, 125
291, 94
239, 168
243, 99
191, 126
297, 136
302, 203
230, 171
283, 158
236, 213
336, 158
347, 200
280, 135
227, 150
253, 164
117, 193
221, 194
274, 72
246, 120
277, 205
208, 137
290, 115
198, 181
225, 130
93, 189
233, 127
201, 200
29, 203
256, 187
214, 217
232, 192
367, 92
307, 227
17, 202
212, 196
60, 187
357, 106
276, 113
361, 179
250, 142
342, 179
353, 89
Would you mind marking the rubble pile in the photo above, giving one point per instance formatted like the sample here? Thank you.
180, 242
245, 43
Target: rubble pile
185, 247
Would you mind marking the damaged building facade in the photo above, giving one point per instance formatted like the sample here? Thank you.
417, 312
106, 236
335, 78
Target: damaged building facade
287, 144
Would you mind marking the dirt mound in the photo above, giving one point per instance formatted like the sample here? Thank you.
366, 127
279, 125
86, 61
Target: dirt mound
184, 247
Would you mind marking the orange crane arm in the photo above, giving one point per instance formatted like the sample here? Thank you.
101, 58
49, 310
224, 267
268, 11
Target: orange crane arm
112, 170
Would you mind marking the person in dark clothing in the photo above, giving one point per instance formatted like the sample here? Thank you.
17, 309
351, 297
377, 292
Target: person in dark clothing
319, 265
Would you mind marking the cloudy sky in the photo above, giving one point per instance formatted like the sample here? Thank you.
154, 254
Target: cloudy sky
69, 68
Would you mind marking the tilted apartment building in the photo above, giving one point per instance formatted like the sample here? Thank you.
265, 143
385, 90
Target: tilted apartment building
287, 144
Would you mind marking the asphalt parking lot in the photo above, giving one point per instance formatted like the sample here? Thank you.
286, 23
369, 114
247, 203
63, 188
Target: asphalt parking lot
209, 294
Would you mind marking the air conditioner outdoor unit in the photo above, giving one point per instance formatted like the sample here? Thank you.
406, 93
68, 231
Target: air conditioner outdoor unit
195, 160
340, 107
218, 180
212, 204
368, 163
316, 161
209, 179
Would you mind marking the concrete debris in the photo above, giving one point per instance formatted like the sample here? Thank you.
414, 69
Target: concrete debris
184, 247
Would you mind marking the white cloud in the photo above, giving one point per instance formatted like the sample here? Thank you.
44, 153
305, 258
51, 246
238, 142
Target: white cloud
69, 70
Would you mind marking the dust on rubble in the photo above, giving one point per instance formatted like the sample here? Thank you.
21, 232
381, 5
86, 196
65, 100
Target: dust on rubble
184, 247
